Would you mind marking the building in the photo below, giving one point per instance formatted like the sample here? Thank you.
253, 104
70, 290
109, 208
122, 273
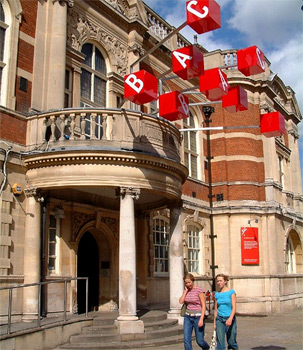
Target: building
92, 185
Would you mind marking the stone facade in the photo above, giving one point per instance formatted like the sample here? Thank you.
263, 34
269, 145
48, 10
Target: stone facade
115, 193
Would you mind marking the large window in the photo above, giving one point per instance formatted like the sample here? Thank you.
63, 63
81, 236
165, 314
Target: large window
293, 253
161, 245
93, 77
194, 249
3, 28
281, 172
53, 243
190, 147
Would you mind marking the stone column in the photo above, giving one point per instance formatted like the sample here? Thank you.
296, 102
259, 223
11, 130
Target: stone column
176, 263
56, 79
128, 322
32, 254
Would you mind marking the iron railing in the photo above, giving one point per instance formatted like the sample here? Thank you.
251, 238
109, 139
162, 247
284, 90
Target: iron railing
39, 285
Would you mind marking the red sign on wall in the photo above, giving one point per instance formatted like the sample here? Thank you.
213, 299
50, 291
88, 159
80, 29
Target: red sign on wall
249, 245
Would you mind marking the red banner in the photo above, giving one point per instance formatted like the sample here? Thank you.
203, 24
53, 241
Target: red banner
249, 245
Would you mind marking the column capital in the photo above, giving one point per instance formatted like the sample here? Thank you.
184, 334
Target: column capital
34, 192
133, 192
70, 3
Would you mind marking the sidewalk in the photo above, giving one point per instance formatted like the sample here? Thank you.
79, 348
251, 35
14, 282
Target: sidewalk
273, 332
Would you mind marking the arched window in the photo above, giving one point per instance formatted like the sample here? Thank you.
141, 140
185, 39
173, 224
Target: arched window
191, 147
161, 245
93, 87
93, 77
193, 249
10, 19
3, 30
293, 253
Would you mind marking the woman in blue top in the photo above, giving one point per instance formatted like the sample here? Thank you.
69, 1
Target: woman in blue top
224, 316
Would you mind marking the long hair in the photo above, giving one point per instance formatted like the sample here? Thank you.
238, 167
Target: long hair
225, 277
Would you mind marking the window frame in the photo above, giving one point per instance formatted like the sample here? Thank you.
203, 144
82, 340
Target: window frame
191, 152
56, 228
165, 256
190, 247
94, 74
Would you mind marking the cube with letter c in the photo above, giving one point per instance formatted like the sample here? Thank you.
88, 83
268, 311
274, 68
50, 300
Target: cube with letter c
173, 106
235, 100
272, 124
188, 62
203, 15
140, 87
251, 61
213, 84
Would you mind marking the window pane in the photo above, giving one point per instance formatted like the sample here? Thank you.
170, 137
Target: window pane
161, 241
87, 49
99, 91
99, 62
193, 141
194, 172
86, 84
2, 37
2, 16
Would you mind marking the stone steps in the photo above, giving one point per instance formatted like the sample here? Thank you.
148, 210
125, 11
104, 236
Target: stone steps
158, 331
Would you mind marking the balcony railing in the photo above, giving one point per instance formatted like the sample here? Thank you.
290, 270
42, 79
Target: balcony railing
117, 129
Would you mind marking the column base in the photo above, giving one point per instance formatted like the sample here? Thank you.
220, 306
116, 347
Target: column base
129, 326
175, 314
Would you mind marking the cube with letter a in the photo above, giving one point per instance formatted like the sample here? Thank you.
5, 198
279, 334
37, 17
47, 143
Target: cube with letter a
173, 106
251, 61
213, 84
188, 62
235, 100
140, 87
203, 15
272, 124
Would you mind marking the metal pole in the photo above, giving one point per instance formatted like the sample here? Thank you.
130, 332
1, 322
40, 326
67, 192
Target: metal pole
9, 322
65, 297
39, 305
208, 110
86, 297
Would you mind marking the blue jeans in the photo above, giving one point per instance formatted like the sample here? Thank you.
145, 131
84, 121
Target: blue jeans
229, 331
190, 323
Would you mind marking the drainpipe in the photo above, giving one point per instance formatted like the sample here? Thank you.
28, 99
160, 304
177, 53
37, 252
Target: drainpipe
43, 259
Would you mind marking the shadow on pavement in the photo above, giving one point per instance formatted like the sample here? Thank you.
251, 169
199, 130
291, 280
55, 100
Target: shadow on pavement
270, 347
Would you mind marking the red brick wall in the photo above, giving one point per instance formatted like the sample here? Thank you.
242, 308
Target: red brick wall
25, 58
13, 128
29, 17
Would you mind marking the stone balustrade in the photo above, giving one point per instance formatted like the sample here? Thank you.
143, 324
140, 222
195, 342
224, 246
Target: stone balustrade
104, 128
159, 28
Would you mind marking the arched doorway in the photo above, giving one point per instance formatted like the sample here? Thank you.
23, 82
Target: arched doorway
88, 266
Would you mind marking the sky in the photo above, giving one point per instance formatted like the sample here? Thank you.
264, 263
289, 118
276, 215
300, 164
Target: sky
275, 26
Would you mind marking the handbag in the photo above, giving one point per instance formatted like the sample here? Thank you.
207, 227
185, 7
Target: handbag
213, 343
183, 310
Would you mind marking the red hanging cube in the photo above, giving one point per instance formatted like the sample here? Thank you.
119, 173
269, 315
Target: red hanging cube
140, 87
203, 15
251, 61
272, 124
173, 106
188, 62
235, 100
213, 84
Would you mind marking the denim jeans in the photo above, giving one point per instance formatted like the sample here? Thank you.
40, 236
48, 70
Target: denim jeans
190, 323
229, 331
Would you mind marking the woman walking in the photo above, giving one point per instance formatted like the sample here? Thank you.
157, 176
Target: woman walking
225, 322
193, 297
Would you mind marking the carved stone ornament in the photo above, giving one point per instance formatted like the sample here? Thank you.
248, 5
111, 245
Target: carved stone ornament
133, 192
79, 219
80, 29
70, 3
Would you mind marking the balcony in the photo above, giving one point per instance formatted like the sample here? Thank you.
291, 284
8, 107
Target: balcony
97, 150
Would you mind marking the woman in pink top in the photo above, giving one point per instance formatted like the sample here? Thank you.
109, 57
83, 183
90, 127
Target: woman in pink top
193, 297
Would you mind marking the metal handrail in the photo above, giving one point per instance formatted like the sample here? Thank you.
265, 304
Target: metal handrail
39, 284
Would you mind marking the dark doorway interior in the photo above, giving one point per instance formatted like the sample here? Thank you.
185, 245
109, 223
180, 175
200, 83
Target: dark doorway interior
88, 266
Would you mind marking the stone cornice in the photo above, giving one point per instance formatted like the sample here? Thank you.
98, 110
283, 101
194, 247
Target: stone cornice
52, 160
